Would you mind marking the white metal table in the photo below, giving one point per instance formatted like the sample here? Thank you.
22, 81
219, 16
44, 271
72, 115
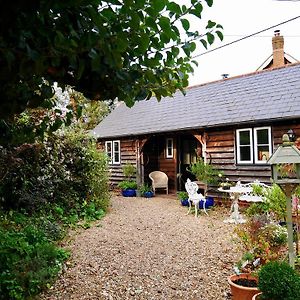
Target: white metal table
235, 193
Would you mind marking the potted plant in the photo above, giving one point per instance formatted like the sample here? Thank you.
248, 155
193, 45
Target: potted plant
129, 185
261, 242
183, 198
146, 191
278, 281
206, 175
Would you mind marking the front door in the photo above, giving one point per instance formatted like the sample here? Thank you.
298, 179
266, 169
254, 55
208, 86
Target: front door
189, 148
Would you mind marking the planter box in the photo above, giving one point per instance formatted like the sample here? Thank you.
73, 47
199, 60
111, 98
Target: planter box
184, 202
129, 193
148, 194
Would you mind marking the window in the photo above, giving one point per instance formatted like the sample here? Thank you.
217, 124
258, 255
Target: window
244, 142
112, 149
262, 144
253, 145
169, 148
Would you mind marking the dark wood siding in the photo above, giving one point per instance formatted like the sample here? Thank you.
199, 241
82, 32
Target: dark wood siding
128, 155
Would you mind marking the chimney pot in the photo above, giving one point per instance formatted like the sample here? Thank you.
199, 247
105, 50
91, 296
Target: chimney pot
224, 76
276, 32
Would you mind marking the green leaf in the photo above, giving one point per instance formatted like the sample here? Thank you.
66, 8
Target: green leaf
174, 7
209, 2
185, 24
220, 35
210, 38
204, 43
192, 46
151, 23
164, 23
210, 24
144, 43
158, 5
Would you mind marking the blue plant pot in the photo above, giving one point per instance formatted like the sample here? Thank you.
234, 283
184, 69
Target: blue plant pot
129, 193
148, 194
184, 202
209, 202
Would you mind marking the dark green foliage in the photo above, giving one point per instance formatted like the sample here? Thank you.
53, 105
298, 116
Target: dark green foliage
130, 50
66, 169
44, 188
279, 281
29, 261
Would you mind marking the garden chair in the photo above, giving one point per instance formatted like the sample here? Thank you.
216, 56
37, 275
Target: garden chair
194, 197
159, 180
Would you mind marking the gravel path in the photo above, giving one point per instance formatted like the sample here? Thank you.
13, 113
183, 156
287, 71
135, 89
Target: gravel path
149, 249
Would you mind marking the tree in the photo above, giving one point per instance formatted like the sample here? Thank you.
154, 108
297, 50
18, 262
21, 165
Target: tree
125, 49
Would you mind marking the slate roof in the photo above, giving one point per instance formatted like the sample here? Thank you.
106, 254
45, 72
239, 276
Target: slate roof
261, 96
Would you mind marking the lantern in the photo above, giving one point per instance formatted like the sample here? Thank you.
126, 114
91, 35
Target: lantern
285, 164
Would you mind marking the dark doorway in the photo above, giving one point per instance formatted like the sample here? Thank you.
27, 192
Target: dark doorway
188, 149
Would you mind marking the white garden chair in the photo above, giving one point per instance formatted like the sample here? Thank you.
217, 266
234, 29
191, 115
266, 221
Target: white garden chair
159, 180
194, 197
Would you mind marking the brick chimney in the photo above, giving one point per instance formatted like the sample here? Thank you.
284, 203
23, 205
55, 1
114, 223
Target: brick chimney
278, 49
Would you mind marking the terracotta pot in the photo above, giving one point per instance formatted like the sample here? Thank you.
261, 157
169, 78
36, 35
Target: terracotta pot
256, 296
239, 292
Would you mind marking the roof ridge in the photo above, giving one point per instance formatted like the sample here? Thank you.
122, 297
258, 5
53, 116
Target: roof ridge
243, 75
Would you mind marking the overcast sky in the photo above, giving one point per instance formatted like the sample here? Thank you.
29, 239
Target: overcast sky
241, 18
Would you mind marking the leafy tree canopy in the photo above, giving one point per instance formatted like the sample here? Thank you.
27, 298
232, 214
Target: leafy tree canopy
125, 49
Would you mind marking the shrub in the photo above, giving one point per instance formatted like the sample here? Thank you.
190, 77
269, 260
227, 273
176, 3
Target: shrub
279, 281
204, 172
28, 260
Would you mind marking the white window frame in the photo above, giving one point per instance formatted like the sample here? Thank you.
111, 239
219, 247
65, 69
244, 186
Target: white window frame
171, 148
116, 162
253, 145
111, 153
239, 161
256, 160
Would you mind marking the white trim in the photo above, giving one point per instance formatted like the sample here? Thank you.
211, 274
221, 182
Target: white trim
118, 161
256, 160
112, 152
109, 153
169, 155
238, 146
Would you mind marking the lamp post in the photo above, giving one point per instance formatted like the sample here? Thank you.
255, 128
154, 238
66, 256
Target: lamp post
285, 164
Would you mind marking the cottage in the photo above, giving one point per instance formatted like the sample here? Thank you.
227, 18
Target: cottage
234, 123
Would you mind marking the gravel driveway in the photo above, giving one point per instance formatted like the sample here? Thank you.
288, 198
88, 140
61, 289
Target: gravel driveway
150, 249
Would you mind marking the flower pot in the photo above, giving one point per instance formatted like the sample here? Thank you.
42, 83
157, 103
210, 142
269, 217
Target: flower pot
184, 202
256, 296
129, 193
148, 194
209, 202
240, 292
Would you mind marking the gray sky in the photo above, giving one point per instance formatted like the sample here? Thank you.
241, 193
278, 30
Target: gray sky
241, 18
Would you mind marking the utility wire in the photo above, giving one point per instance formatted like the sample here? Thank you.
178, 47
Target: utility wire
245, 37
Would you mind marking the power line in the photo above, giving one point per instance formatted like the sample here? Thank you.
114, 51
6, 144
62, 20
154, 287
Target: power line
246, 37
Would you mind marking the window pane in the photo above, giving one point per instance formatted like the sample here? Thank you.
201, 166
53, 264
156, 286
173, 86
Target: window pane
263, 153
244, 137
116, 157
245, 153
108, 148
116, 146
262, 136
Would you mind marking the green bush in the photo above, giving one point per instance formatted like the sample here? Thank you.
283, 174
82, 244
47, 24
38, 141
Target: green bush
279, 281
29, 262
